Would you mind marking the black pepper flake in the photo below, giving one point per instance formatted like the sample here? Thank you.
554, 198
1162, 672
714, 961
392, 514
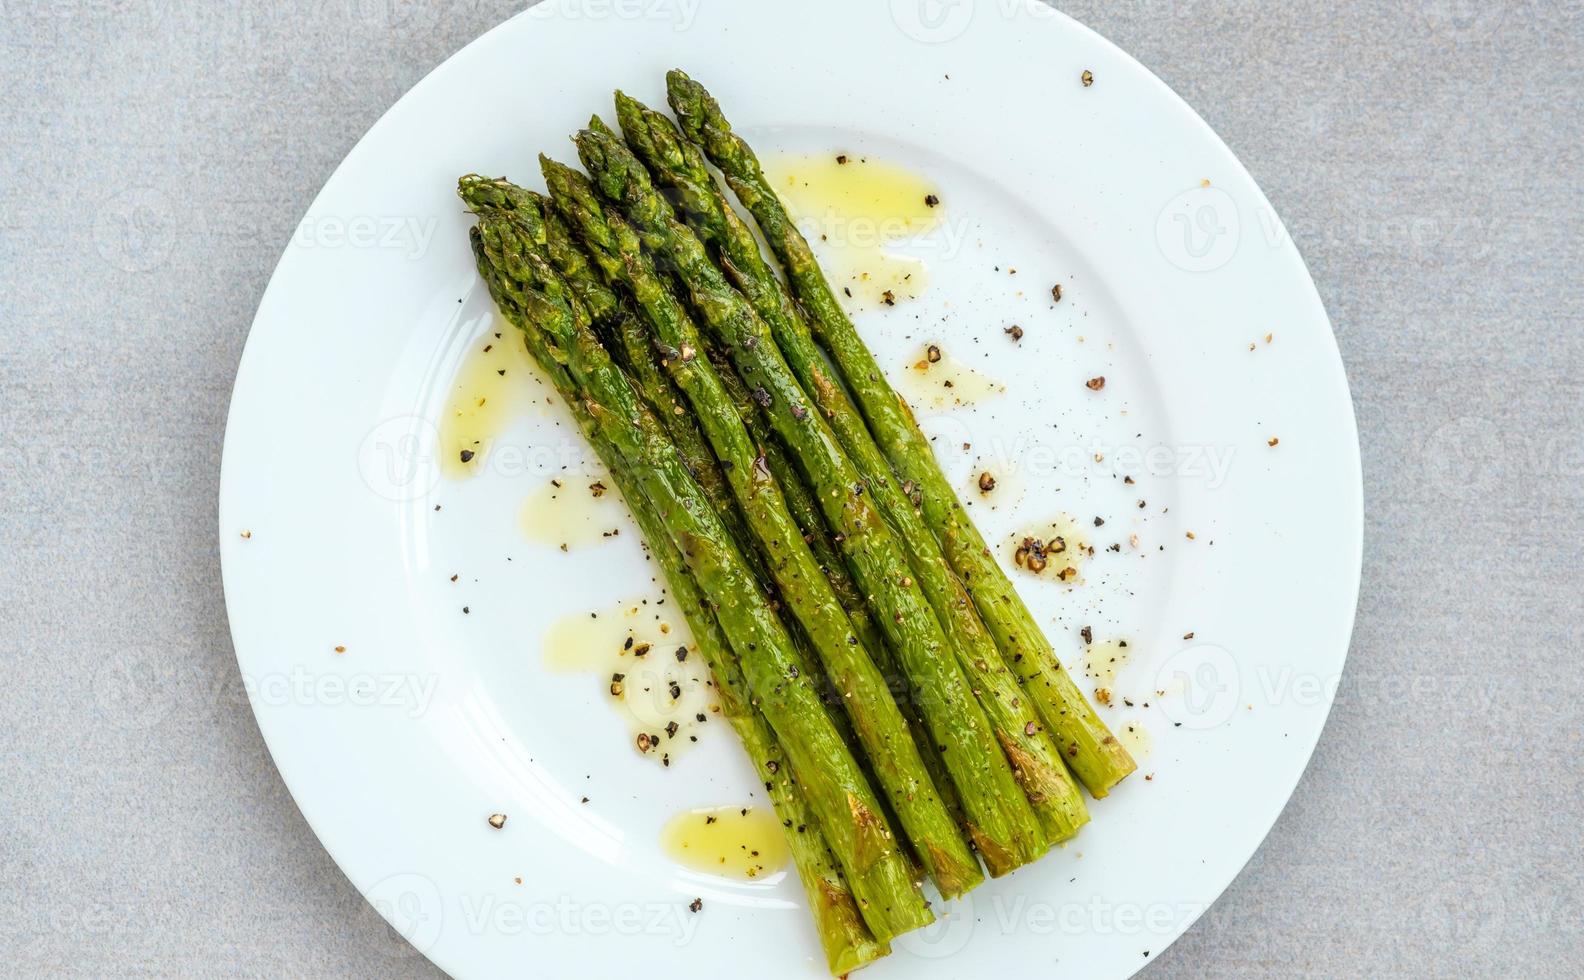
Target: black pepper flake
1095, 383
841, 158
641, 650
848, 291
676, 690
1099, 522
671, 729
698, 903
1056, 293
1087, 634
467, 455
932, 353
930, 201
888, 297
987, 482
681, 654
700, 716
1015, 332
773, 766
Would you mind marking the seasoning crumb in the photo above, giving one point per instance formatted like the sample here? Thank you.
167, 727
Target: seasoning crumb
597, 488
932, 353
987, 482
1087, 78
698, 903
1190, 535
1095, 383
340, 649
1103, 695
645, 742
888, 297
1056, 293
497, 820
1272, 442
1188, 635
1015, 332
453, 578
246, 535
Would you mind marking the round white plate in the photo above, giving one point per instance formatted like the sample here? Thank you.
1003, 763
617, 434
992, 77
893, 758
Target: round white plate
338, 529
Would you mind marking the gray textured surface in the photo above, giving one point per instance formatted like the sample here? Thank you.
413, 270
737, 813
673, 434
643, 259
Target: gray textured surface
1427, 156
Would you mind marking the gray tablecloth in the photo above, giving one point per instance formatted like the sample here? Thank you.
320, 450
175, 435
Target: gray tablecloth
1426, 154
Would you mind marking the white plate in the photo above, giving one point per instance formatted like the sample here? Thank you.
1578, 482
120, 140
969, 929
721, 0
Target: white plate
1173, 265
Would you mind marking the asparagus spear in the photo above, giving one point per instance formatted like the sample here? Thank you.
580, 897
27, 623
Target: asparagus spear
878, 722
806, 512
1095, 755
1035, 757
1000, 820
850, 816
629, 342
847, 942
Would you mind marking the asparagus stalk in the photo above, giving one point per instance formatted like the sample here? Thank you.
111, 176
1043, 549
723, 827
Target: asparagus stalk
846, 941
1095, 755
878, 722
850, 815
1035, 757
1001, 821
629, 342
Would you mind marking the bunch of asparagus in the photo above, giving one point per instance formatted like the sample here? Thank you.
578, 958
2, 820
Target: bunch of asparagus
906, 714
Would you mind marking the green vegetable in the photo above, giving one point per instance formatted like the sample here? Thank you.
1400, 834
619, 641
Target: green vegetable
1035, 758
877, 721
1001, 821
847, 942
849, 812
1088, 746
